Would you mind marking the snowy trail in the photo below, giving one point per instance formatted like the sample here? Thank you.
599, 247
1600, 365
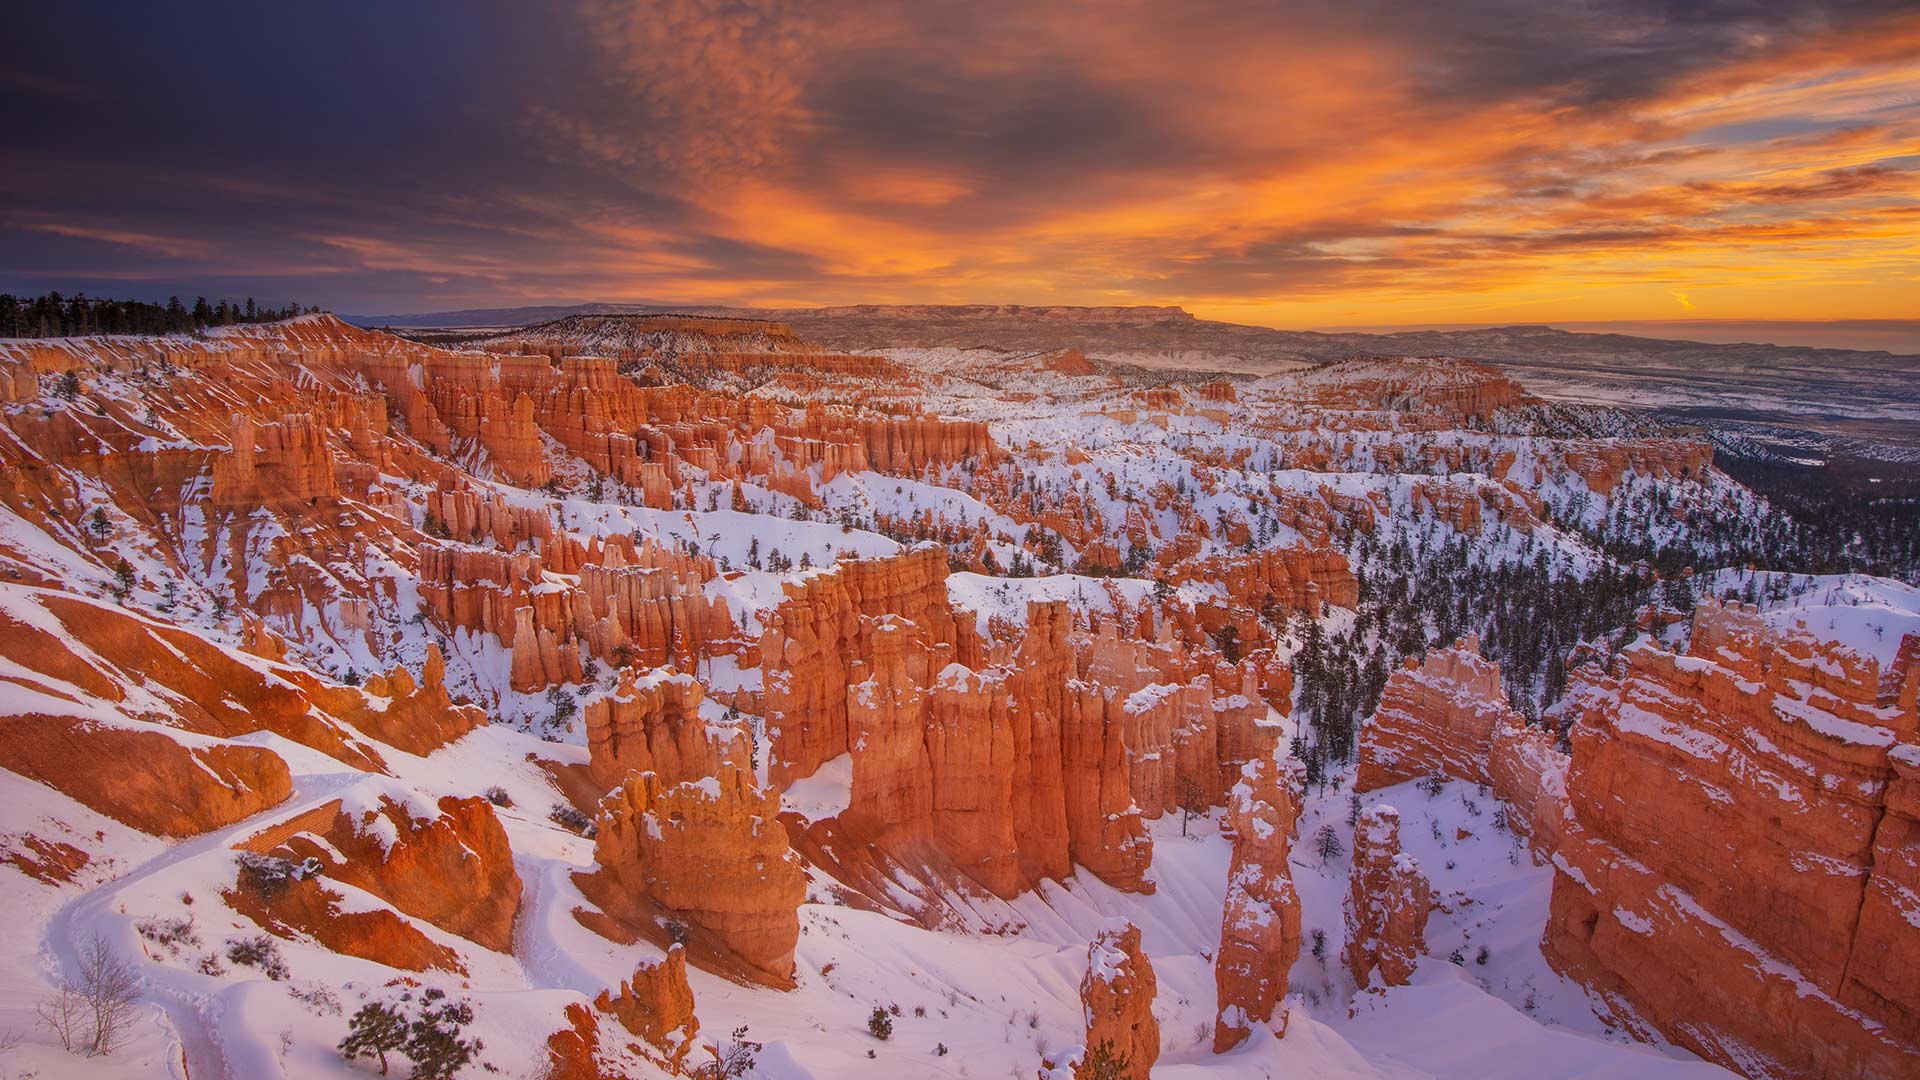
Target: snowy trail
100, 911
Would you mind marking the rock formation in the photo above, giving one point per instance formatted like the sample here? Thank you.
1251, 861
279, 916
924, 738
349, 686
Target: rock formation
280, 464
573, 1050
1117, 996
1291, 579
154, 780
653, 724
450, 866
1106, 832
1737, 869
1052, 753
709, 854
887, 710
1449, 717
656, 1005
1260, 923
289, 903
417, 716
823, 626
1436, 718
1388, 900
970, 750
1461, 388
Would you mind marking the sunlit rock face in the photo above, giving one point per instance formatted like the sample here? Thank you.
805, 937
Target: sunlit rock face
449, 865
656, 1005
1388, 900
711, 854
1448, 717
655, 723
1260, 923
1117, 995
1737, 871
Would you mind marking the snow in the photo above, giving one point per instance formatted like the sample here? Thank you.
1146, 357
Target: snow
825, 794
1007, 598
998, 981
1862, 614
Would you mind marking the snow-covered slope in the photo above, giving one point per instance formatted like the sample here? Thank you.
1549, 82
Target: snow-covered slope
389, 603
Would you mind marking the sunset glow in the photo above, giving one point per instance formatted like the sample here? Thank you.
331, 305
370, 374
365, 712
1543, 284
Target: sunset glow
1287, 165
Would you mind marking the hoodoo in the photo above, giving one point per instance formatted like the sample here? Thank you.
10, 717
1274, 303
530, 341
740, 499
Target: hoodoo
924, 711
1388, 900
1260, 925
707, 859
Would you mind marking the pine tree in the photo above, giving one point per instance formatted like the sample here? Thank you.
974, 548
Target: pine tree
374, 1031
1327, 845
1104, 1062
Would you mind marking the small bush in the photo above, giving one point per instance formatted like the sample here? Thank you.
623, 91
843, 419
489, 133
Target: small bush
571, 818
1104, 1062
323, 1001
1430, 784
267, 876
734, 1057
172, 935
880, 1025
259, 951
498, 796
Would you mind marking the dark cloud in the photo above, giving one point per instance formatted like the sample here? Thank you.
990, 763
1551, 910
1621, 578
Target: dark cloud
382, 157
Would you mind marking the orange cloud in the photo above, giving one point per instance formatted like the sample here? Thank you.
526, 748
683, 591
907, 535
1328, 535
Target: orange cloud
1288, 163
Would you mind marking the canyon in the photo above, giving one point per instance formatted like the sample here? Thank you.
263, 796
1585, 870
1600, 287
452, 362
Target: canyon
674, 689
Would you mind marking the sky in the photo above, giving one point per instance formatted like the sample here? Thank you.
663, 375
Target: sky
1346, 163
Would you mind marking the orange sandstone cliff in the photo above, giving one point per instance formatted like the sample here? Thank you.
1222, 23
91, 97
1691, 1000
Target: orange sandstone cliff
1738, 867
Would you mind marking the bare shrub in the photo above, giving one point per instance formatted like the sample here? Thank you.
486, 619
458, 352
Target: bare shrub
568, 817
90, 1014
65, 1014
259, 951
170, 934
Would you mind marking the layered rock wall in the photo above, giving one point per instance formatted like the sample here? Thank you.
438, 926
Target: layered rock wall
653, 723
711, 854
1737, 868
1449, 717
